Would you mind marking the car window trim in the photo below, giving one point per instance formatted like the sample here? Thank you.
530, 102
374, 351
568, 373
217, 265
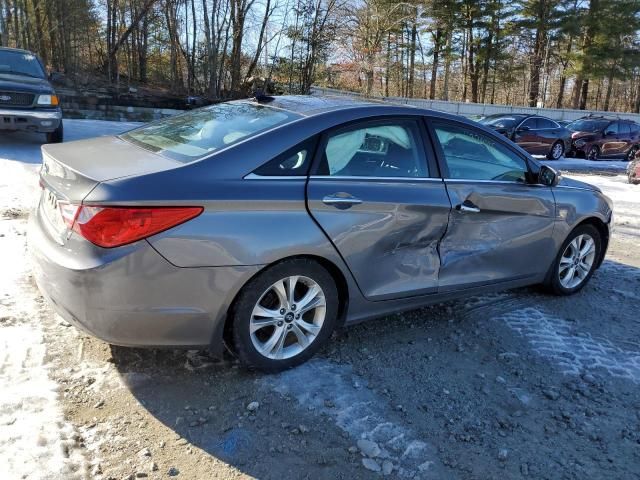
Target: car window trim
378, 179
344, 127
444, 169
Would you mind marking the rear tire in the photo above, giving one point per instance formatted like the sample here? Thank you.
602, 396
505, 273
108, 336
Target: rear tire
631, 154
557, 150
274, 329
576, 261
593, 153
57, 135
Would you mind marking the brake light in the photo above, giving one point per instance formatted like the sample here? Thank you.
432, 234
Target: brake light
110, 227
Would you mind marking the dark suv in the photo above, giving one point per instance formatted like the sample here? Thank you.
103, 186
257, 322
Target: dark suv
27, 99
604, 137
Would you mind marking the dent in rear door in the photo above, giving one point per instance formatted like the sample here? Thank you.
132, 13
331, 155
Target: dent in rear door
390, 240
372, 196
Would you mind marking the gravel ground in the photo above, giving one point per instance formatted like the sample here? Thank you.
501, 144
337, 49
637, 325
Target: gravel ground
512, 385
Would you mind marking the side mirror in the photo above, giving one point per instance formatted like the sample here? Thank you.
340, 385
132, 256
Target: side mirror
548, 176
609, 133
523, 129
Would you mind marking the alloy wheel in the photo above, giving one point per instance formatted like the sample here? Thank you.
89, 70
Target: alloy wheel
288, 317
577, 261
557, 151
593, 153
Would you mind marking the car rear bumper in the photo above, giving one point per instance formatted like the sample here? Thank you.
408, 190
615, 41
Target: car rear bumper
42, 121
131, 295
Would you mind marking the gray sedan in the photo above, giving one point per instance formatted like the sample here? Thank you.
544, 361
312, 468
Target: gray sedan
263, 225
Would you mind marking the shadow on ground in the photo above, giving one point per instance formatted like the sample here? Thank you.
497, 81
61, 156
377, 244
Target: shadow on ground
466, 379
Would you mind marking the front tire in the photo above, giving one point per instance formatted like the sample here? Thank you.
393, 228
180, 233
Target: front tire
557, 150
284, 315
593, 153
57, 136
576, 261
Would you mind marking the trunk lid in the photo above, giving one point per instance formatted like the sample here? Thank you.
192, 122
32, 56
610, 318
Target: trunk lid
70, 171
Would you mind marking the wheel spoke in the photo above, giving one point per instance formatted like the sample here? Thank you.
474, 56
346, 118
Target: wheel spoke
276, 340
309, 327
303, 341
260, 311
311, 299
257, 324
291, 283
281, 291
587, 248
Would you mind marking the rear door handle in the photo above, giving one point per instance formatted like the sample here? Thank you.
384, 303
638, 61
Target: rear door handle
340, 199
468, 207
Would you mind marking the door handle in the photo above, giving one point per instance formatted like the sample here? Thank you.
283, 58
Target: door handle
343, 200
467, 207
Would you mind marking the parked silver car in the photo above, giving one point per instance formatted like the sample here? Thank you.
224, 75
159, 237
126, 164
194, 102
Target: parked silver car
264, 225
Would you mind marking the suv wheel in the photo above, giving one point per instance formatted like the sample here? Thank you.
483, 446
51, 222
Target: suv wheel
284, 315
56, 136
557, 149
631, 154
593, 153
576, 261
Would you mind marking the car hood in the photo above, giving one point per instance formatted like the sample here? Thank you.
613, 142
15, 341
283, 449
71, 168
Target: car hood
21, 83
570, 182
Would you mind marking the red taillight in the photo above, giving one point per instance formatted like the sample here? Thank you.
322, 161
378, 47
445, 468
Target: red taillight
115, 226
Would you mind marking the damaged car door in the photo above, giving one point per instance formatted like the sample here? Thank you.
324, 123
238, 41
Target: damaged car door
501, 225
378, 197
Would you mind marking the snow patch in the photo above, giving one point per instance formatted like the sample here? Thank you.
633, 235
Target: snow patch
333, 390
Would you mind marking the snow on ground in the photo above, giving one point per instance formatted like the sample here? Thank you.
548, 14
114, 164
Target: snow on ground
582, 165
335, 392
35, 440
626, 200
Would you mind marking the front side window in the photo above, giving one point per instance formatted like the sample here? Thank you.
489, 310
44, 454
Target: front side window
195, 134
473, 155
380, 149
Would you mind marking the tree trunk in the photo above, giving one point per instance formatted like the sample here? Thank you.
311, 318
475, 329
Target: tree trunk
437, 39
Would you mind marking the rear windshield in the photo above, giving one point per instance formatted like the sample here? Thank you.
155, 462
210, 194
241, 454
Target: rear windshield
588, 125
501, 122
195, 134
20, 63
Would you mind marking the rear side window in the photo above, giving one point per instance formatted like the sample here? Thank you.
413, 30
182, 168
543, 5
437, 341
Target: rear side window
390, 148
473, 155
293, 162
198, 133
543, 123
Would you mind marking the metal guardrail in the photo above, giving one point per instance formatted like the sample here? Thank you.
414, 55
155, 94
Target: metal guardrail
466, 109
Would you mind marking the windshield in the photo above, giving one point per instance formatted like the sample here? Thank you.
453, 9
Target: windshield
502, 121
20, 63
588, 125
195, 134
